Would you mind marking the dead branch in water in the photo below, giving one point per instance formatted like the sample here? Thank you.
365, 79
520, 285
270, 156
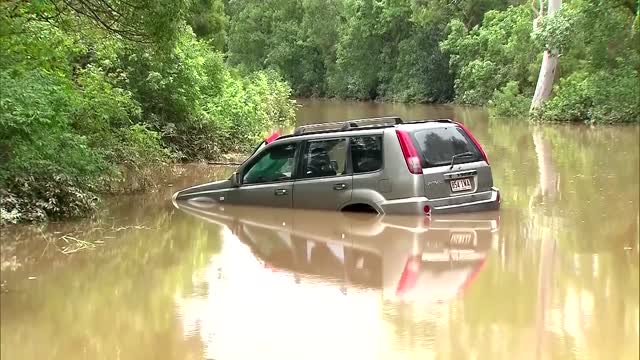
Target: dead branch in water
69, 244
74, 244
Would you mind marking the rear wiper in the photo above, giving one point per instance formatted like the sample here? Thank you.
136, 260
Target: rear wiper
461, 155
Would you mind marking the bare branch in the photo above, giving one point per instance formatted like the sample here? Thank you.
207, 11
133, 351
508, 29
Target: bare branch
106, 16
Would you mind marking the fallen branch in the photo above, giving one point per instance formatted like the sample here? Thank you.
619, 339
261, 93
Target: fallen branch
74, 244
137, 227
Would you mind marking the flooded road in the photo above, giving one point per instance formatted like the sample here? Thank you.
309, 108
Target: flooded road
552, 275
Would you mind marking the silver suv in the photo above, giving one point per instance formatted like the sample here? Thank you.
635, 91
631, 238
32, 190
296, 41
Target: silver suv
381, 165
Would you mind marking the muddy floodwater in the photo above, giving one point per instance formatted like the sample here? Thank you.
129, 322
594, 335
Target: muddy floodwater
552, 275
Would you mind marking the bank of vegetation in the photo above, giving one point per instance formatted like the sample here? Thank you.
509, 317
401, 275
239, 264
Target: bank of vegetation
95, 91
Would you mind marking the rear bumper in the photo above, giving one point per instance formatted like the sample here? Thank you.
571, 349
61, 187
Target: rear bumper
485, 201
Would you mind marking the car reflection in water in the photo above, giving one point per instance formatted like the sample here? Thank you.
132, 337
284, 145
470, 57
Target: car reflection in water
416, 260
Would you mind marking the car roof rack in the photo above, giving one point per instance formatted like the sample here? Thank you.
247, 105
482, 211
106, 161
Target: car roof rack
348, 124
430, 120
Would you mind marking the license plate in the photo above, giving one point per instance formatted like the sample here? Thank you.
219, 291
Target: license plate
461, 184
461, 239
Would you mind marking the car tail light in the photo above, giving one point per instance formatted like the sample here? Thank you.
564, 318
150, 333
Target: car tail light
427, 209
410, 153
475, 141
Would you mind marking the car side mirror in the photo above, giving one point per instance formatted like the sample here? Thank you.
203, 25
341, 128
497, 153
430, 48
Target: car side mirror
236, 179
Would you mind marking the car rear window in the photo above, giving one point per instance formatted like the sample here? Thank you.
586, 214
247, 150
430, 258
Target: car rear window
437, 146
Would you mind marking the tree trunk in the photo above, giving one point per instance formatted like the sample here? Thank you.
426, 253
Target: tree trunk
549, 65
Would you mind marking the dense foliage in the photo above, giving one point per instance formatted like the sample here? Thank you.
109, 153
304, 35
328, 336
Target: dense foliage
598, 79
480, 52
93, 95
362, 49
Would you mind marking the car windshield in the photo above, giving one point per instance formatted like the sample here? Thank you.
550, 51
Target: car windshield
437, 146
275, 164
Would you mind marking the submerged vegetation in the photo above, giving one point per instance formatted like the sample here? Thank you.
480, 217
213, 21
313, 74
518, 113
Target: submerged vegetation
96, 92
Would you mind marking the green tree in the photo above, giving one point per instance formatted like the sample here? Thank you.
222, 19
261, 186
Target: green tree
600, 69
495, 63
355, 73
361, 49
487, 57
550, 58
96, 93
208, 21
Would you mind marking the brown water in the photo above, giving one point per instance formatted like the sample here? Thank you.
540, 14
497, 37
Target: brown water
553, 275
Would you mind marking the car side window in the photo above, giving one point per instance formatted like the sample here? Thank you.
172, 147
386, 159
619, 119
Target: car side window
366, 153
275, 164
324, 158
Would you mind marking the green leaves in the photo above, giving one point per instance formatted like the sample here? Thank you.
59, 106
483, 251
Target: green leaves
362, 49
509, 102
555, 32
208, 21
102, 107
496, 63
485, 58
296, 38
596, 97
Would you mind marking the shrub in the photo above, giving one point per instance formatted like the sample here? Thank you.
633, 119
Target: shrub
247, 108
509, 102
85, 111
40, 197
485, 58
595, 97
37, 133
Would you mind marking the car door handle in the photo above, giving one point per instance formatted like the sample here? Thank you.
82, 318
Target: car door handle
280, 192
340, 186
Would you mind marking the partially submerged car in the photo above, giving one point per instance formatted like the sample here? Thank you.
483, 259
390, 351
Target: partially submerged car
382, 165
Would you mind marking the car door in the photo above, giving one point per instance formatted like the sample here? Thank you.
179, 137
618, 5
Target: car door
323, 181
267, 180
